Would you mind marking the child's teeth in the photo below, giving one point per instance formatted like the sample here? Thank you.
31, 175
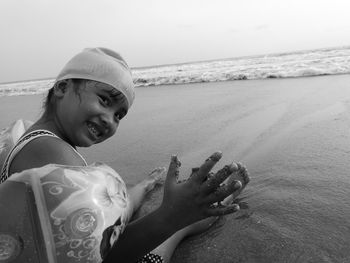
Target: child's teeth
93, 129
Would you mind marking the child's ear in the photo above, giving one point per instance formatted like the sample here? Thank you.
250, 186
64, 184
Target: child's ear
61, 88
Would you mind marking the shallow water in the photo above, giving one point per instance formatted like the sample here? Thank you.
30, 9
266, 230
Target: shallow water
318, 62
292, 134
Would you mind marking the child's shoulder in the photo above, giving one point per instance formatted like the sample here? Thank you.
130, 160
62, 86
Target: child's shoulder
45, 150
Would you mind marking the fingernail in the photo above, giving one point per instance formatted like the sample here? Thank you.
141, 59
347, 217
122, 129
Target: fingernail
237, 185
216, 156
233, 167
230, 168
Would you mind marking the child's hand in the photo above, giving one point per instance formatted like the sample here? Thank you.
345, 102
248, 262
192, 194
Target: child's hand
195, 198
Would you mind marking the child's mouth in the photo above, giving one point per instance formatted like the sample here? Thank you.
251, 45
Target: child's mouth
94, 130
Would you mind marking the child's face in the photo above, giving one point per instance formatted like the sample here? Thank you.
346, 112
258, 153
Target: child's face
90, 114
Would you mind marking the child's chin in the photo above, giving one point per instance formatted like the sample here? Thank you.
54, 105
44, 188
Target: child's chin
86, 143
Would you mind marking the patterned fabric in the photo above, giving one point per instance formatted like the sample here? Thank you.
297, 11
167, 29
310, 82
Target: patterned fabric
76, 203
151, 258
20, 144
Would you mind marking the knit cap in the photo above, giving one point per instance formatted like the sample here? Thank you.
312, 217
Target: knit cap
102, 65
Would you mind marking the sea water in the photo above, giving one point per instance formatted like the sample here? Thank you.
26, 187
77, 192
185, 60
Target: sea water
328, 61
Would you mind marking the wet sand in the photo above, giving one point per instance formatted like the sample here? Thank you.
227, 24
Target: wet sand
292, 134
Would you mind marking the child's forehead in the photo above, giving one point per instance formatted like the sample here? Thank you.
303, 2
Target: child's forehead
102, 86
115, 94
96, 84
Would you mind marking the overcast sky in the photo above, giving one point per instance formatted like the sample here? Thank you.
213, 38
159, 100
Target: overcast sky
39, 36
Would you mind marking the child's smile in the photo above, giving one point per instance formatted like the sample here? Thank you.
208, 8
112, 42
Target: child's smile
94, 130
90, 114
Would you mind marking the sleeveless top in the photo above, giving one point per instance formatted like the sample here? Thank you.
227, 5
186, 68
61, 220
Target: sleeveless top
19, 146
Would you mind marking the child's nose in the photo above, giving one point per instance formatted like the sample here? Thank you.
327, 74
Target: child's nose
109, 122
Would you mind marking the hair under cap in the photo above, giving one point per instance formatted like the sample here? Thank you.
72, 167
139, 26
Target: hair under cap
102, 65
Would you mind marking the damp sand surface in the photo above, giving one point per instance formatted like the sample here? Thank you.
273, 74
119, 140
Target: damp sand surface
292, 134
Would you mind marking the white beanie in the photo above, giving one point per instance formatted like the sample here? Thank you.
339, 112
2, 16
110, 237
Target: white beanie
102, 65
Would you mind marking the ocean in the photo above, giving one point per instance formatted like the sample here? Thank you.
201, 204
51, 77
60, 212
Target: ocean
328, 61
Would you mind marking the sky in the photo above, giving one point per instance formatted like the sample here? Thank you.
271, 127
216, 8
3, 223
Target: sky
39, 36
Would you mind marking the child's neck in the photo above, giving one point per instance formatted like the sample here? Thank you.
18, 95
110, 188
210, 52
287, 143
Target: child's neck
50, 124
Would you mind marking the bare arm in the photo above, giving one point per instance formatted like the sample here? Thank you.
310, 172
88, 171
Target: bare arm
43, 151
142, 236
138, 192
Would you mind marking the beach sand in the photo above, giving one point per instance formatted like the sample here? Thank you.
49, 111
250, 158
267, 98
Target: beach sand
292, 134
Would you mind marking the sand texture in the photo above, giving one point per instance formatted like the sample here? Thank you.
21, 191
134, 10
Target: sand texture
292, 134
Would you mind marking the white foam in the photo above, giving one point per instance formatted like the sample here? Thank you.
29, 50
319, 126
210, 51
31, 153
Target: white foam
296, 64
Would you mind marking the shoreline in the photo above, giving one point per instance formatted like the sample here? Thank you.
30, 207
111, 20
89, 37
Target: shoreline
186, 83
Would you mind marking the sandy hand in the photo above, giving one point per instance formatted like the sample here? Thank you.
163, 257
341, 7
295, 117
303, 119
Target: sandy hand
194, 199
241, 176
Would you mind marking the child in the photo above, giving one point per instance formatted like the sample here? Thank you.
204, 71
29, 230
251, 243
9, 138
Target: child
90, 97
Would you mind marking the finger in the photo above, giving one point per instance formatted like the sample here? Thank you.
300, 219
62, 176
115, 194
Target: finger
157, 171
244, 174
204, 169
220, 210
223, 191
241, 174
157, 175
215, 180
173, 171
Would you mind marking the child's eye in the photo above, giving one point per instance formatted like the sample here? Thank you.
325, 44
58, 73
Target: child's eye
104, 100
119, 116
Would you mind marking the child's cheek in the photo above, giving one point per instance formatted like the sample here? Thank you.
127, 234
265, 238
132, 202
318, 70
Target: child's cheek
95, 108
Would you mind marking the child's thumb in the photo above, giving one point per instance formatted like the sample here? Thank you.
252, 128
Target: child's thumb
173, 171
